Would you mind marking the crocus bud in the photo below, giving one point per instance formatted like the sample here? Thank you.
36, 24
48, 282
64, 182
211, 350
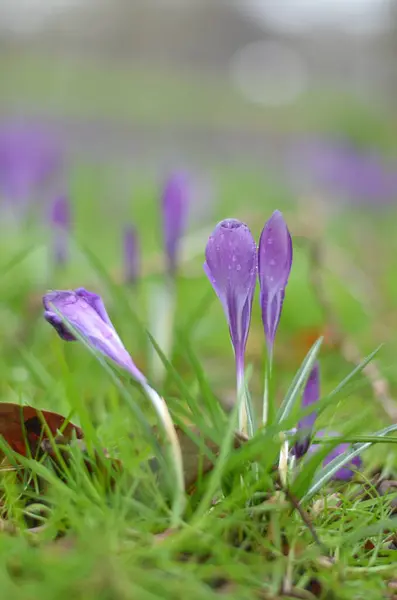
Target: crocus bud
311, 394
231, 268
86, 314
131, 255
274, 267
175, 202
60, 220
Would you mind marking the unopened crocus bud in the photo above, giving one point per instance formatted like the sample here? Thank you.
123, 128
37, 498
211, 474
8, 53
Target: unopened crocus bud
131, 255
231, 268
60, 220
175, 204
274, 267
85, 312
311, 394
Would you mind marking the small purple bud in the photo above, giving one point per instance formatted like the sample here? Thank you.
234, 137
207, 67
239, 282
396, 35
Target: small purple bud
175, 203
274, 267
311, 394
86, 313
231, 268
131, 255
60, 219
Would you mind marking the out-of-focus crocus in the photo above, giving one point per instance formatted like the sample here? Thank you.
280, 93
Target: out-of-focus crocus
231, 266
131, 255
85, 312
346, 172
274, 267
60, 219
311, 394
175, 204
303, 445
28, 157
345, 473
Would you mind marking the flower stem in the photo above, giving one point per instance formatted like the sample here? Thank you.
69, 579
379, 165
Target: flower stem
163, 311
175, 452
245, 413
268, 376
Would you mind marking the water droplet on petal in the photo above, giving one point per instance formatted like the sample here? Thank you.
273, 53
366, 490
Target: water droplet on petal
238, 267
270, 241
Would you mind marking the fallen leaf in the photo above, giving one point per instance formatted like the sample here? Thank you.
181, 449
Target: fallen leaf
21, 424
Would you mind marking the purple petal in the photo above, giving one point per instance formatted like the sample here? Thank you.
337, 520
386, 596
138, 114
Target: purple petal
60, 213
86, 313
131, 255
274, 267
311, 394
346, 472
231, 268
175, 202
60, 220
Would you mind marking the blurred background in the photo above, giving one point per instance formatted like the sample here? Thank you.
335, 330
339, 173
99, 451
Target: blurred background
268, 104
154, 82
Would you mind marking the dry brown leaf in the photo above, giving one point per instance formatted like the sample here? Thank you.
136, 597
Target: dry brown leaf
19, 424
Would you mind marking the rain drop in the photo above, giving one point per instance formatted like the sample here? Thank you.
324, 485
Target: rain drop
238, 267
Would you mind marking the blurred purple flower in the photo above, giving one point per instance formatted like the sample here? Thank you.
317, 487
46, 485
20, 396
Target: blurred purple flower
131, 255
346, 472
274, 267
305, 427
344, 171
28, 157
86, 313
311, 394
231, 267
60, 220
175, 204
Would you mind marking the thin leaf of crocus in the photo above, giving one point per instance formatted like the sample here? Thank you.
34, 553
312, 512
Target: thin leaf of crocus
298, 382
358, 439
340, 461
324, 402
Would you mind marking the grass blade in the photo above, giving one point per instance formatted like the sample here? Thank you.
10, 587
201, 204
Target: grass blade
298, 382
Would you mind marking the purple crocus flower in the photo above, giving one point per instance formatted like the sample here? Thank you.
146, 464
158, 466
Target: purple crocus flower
231, 267
311, 394
131, 255
175, 202
28, 157
86, 313
274, 267
60, 219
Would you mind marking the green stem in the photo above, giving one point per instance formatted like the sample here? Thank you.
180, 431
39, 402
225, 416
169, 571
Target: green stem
268, 376
175, 452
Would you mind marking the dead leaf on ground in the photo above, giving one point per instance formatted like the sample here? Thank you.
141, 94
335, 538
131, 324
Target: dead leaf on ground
21, 424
